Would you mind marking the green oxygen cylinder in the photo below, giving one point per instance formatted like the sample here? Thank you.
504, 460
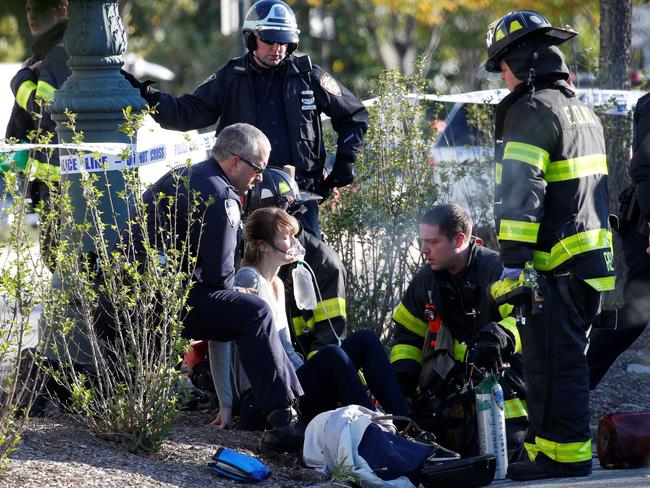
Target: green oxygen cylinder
491, 422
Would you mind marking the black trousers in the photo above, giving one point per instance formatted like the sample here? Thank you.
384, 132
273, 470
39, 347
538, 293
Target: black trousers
330, 378
607, 345
225, 315
555, 366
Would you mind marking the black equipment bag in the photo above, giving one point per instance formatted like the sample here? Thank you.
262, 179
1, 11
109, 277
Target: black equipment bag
466, 473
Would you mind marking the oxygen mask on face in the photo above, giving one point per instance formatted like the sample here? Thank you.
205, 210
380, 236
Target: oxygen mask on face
296, 250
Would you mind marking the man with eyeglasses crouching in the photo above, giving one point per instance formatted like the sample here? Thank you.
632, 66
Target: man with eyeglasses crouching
196, 210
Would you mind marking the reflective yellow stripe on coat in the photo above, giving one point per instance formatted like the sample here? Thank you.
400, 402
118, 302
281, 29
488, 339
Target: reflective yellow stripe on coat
329, 309
515, 408
514, 230
25, 90
590, 240
44, 91
527, 153
400, 352
409, 321
570, 169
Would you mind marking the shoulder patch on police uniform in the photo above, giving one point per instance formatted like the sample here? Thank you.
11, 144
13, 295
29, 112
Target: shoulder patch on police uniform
330, 85
232, 212
209, 78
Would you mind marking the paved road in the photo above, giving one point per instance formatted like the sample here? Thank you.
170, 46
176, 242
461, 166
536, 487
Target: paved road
601, 478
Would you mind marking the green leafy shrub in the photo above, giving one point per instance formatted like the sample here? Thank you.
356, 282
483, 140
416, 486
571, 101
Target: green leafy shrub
125, 389
373, 225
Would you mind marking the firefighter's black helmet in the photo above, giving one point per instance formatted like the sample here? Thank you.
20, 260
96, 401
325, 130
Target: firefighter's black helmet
271, 21
276, 189
519, 26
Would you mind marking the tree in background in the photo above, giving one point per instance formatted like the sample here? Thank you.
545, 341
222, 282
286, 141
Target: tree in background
369, 36
181, 35
615, 41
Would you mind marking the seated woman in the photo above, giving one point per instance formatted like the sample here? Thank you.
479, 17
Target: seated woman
329, 378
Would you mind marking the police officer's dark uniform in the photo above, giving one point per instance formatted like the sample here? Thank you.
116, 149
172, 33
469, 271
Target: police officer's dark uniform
32, 88
312, 329
606, 345
215, 310
551, 209
462, 305
283, 102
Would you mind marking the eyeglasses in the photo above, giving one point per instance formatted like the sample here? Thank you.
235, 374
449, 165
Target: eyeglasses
258, 169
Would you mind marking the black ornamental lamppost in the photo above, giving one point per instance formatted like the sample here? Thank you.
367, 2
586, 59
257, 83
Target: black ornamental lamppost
96, 93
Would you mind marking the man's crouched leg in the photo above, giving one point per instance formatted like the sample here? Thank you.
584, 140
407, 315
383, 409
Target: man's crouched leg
224, 315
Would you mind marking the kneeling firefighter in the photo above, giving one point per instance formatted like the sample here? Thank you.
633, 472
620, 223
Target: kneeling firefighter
444, 322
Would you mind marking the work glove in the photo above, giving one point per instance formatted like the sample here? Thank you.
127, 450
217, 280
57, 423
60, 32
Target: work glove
146, 90
512, 273
340, 176
492, 345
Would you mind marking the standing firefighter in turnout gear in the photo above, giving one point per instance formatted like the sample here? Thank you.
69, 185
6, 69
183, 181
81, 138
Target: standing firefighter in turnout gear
444, 321
281, 94
34, 86
551, 209
312, 329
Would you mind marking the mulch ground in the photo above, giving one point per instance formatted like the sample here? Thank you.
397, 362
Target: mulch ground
59, 451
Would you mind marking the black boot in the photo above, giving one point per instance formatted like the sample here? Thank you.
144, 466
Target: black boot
544, 467
284, 432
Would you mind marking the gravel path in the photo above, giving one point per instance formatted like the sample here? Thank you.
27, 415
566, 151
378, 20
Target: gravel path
58, 451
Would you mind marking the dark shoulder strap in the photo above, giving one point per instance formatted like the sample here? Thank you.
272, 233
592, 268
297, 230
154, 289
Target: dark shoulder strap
303, 63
